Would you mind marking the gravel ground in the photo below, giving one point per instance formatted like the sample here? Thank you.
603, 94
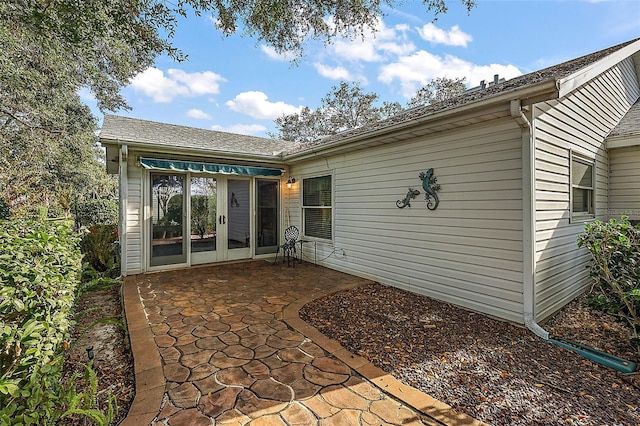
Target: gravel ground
494, 371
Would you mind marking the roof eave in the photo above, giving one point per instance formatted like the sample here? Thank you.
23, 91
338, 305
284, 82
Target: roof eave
548, 88
623, 141
588, 73
228, 155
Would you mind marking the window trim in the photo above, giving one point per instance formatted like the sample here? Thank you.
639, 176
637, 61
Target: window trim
303, 207
588, 161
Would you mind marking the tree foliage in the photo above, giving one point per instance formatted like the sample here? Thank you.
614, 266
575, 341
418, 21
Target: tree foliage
438, 90
345, 107
51, 49
47, 135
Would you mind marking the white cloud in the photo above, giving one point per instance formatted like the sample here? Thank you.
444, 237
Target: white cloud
418, 69
270, 51
375, 45
153, 83
198, 114
243, 129
257, 105
334, 73
454, 37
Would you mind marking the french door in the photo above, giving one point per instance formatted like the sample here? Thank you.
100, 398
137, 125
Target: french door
199, 219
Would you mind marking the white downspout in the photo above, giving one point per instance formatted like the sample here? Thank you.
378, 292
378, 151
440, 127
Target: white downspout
528, 220
124, 189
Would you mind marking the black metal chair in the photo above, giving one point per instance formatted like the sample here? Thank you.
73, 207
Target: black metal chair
291, 235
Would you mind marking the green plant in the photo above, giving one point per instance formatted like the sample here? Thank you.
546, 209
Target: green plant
85, 404
39, 267
88, 273
97, 284
615, 249
95, 211
98, 247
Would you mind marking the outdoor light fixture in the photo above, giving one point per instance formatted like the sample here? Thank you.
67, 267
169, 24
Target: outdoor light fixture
290, 182
90, 352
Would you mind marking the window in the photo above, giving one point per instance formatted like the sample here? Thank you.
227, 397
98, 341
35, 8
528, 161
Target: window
316, 207
582, 188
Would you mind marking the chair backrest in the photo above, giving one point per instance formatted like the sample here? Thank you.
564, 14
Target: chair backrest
291, 234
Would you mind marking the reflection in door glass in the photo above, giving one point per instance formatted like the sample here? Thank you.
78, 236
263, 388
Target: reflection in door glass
203, 214
267, 216
238, 212
167, 206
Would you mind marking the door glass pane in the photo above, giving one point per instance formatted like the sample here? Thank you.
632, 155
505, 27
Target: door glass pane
267, 220
167, 224
238, 214
203, 214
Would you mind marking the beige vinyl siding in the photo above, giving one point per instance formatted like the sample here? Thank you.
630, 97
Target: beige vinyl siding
579, 122
134, 221
624, 182
467, 252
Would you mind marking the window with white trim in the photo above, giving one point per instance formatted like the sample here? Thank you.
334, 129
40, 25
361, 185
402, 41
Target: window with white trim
317, 209
582, 187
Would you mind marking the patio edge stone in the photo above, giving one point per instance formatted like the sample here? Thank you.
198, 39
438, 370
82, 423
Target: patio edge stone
149, 376
410, 396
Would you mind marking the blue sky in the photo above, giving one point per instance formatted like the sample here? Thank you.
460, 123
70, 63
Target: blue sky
238, 85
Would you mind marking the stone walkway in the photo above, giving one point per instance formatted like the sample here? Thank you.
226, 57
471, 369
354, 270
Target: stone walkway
224, 345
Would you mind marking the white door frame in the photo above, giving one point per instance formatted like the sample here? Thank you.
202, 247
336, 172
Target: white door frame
223, 205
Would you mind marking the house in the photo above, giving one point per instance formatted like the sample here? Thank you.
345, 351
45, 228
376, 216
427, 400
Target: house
522, 166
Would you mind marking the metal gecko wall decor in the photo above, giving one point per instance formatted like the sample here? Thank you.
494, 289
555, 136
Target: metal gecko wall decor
406, 201
431, 187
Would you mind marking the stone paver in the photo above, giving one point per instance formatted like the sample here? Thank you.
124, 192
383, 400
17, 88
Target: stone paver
233, 350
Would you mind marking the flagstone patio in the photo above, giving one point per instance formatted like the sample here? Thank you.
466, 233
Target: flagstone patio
224, 345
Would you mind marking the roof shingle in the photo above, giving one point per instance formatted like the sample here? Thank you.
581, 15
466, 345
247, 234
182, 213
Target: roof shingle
630, 123
125, 129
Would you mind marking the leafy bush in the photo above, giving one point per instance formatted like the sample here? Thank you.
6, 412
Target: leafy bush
95, 211
615, 248
98, 248
39, 266
88, 273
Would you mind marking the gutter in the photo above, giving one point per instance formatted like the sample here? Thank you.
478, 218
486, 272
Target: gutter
528, 219
528, 243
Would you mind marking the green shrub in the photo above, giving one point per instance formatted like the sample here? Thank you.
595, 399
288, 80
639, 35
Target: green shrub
615, 248
99, 249
88, 273
95, 211
39, 266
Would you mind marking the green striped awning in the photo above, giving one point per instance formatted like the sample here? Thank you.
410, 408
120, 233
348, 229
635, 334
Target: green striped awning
201, 167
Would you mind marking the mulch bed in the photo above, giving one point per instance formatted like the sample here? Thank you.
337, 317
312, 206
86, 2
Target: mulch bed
494, 371
99, 321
